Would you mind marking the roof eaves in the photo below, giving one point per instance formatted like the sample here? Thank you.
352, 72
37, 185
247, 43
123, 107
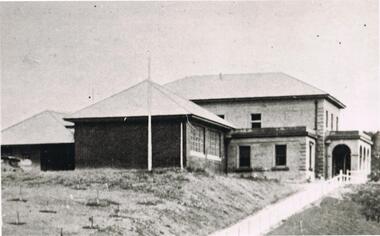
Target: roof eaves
229, 126
335, 101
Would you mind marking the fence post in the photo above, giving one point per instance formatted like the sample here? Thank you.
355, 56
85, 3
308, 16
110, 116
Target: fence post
341, 176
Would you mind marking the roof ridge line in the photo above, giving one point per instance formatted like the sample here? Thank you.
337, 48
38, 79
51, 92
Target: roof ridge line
28, 118
228, 74
168, 95
102, 100
187, 100
305, 83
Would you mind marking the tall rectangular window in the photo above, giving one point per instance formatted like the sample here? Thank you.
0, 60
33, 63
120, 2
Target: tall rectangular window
213, 143
311, 156
244, 156
332, 121
327, 119
197, 139
256, 120
337, 124
280, 155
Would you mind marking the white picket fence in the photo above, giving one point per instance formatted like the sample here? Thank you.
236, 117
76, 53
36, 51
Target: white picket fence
271, 216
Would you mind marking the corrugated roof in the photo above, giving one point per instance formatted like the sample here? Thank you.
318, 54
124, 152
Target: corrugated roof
256, 85
46, 127
132, 102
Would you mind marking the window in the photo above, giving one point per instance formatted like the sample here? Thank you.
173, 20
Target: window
256, 120
244, 156
360, 158
332, 121
337, 124
213, 147
197, 138
221, 116
280, 155
327, 119
311, 156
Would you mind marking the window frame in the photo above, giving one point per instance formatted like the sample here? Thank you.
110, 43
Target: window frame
327, 119
256, 121
311, 152
276, 155
201, 137
337, 123
214, 147
250, 156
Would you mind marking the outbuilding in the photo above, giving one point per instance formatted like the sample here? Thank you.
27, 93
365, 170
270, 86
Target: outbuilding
114, 132
45, 139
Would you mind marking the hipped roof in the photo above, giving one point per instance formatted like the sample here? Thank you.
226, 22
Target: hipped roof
47, 127
133, 102
242, 86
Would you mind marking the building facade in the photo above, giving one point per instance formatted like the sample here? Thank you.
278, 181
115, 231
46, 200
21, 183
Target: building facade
289, 130
114, 132
44, 139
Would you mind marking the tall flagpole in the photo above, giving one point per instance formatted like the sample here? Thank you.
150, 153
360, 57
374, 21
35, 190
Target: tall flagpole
149, 119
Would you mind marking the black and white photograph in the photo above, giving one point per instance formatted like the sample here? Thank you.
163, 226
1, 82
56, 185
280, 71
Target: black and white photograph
209, 118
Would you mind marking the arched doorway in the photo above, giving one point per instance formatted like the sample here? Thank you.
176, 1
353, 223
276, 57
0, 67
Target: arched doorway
341, 159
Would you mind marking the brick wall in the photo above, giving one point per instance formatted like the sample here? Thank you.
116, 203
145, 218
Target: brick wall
124, 144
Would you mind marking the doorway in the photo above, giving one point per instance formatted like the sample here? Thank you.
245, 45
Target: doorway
341, 159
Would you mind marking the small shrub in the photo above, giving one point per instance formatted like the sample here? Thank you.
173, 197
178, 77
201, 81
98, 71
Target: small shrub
374, 176
100, 203
369, 199
149, 202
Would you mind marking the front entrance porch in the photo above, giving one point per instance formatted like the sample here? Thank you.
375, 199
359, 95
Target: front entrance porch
348, 152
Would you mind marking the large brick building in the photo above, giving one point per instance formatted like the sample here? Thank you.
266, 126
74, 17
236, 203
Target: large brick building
268, 124
286, 129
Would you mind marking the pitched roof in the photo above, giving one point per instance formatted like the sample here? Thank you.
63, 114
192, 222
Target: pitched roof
46, 127
235, 86
132, 102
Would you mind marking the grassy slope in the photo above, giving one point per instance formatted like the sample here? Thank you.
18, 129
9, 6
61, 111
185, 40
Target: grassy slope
163, 203
333, 216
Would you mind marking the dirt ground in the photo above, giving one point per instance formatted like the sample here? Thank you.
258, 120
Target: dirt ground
130, 202
335, 214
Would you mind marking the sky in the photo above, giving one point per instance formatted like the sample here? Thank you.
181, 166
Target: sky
54, 55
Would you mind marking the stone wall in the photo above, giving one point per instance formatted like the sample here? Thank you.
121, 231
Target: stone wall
284, 113
323, 128
263, 157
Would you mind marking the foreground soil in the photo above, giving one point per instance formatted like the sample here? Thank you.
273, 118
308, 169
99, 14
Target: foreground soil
130, 202
334, 215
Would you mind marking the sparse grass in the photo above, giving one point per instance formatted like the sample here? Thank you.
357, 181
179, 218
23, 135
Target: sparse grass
339, 216
132, 202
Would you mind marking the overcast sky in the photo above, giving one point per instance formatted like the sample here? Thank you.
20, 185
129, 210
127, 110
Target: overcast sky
54, 53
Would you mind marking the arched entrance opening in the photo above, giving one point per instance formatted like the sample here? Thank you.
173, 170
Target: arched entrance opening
341, 159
